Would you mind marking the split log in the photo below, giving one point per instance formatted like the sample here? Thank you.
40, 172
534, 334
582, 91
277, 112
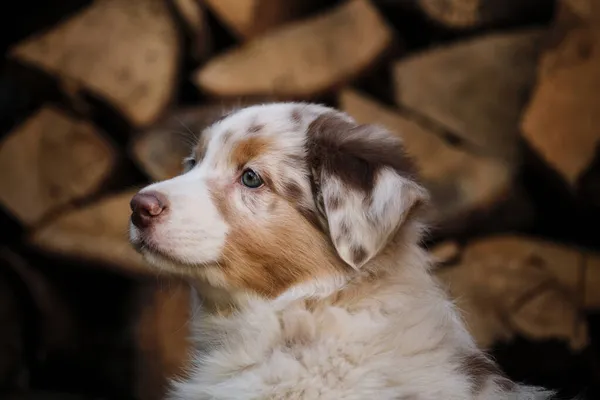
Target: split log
561, 122
302, 59
192, 14
477, 13
247, 18
97, 233
50, 161
446, 253
509, 285
475, 89
460, 183
162, 331
123, 52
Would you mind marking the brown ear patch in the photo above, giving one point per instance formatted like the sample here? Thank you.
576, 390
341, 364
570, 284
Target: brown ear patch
349, 151
334, 203
359, 254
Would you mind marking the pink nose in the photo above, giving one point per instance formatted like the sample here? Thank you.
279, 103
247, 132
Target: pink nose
146, 207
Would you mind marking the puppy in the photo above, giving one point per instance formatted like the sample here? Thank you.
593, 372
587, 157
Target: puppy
300, 231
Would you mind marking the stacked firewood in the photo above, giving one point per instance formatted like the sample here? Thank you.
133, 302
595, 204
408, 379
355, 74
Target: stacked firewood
479, 90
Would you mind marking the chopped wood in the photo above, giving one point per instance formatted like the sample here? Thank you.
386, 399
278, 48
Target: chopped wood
476, 13
460, 182
192, 14
162, 331
475, 89
96, 233
247, 18
561, 122
49, 161
304, 58
514, 285
446, 253
123, 52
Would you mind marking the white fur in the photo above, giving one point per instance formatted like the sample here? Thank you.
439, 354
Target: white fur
399, 342
194, 233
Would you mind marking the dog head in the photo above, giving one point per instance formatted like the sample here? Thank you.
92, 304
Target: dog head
278, 195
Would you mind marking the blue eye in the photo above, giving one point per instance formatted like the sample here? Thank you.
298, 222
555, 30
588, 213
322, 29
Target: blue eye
251, 179
189, 163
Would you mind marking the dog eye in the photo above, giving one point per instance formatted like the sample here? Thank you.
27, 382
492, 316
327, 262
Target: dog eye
189, 163
251, 179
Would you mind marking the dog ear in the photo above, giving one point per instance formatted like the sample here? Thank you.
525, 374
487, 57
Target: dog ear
365, 184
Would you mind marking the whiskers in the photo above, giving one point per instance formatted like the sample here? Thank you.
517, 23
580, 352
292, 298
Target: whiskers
188, 136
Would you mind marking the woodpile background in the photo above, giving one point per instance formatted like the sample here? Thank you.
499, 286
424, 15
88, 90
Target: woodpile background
497, 100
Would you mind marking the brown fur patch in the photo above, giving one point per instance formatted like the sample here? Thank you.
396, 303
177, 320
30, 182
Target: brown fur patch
249, 149
341, 148
295, 160
344, 228
505, 384
334, 203
293, 191
480, 370
270, 259
255, 128
359, 254
226, 137
311, 216
296, 116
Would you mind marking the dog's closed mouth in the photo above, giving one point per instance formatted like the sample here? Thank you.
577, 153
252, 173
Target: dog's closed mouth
143, 246
150, 250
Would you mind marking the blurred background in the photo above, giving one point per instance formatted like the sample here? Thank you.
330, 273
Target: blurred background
497, 100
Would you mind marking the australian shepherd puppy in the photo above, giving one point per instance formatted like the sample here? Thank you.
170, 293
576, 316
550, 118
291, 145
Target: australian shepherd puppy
300, 231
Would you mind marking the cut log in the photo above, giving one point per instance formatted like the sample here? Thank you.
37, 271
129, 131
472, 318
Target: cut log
97, 233
446, 253
160, 149
460, 182
161, 332
302, 59
192, 14
561, 122
123, 52
49, 161
477, 13
475, 89
511, 285
247, 18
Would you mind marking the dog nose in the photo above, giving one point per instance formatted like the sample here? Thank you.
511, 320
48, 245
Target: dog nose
146, 207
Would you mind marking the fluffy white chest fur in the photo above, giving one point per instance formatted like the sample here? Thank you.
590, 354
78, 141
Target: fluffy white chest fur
396, 337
